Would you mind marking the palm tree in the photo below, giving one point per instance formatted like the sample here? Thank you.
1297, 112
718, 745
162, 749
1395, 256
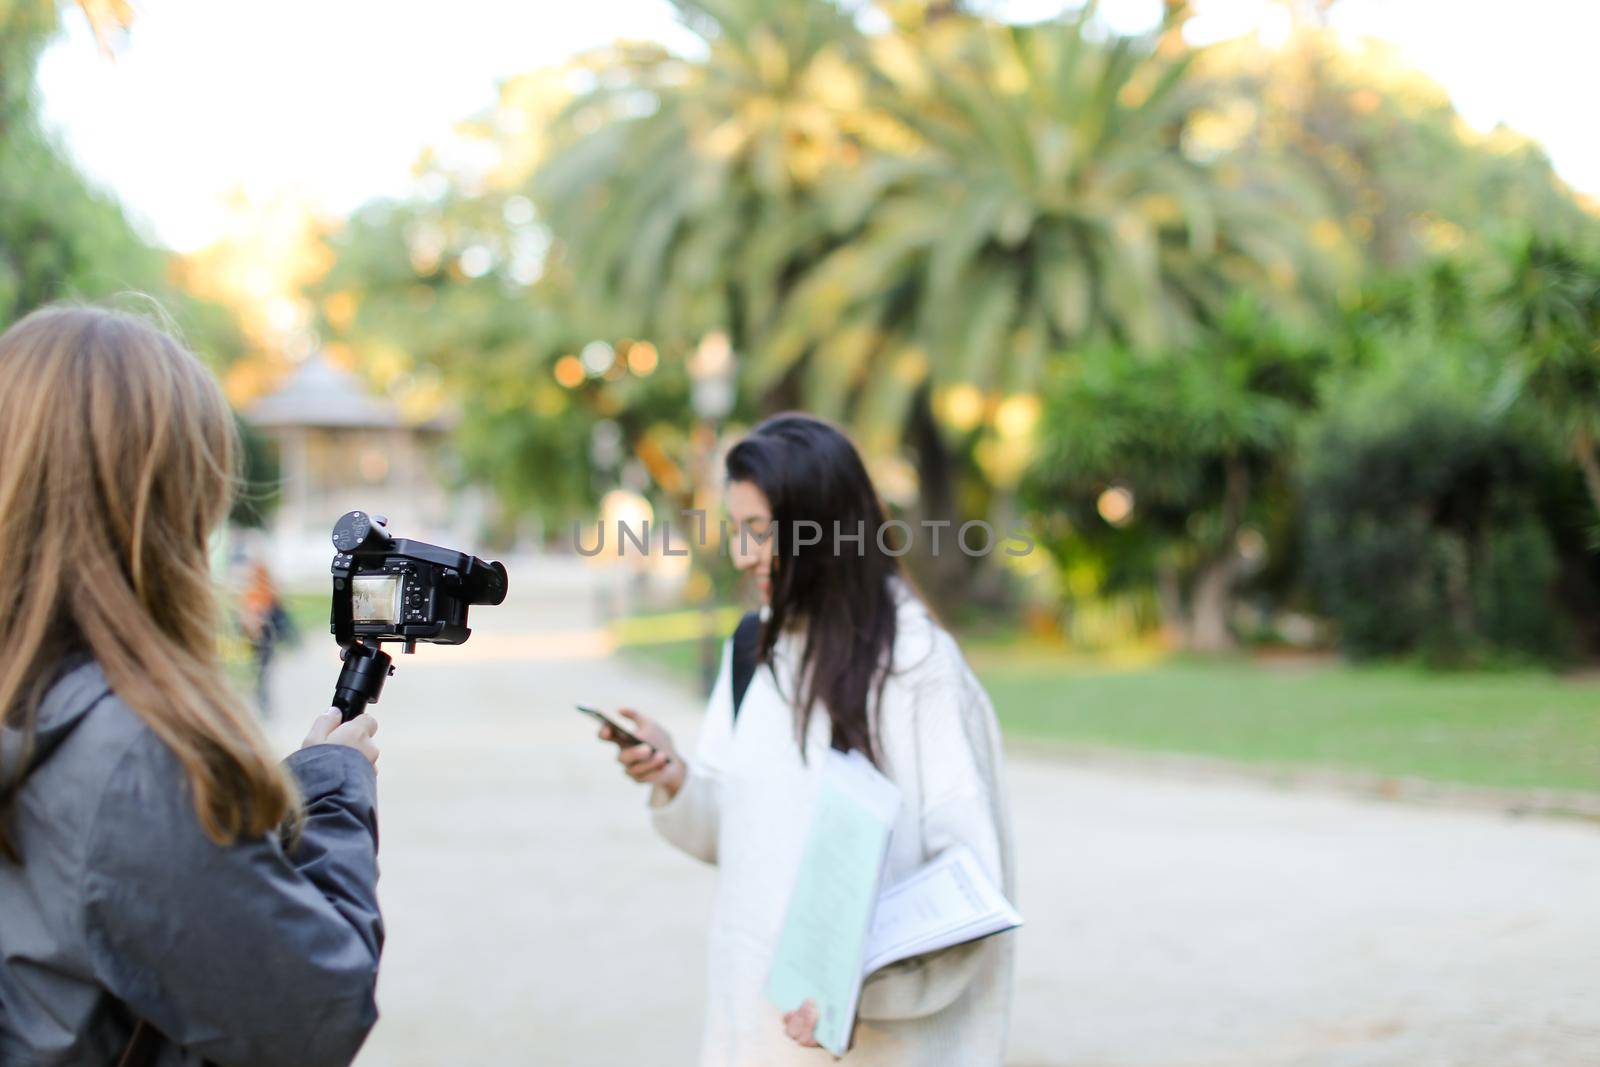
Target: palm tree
912, 222
682, 191
1038, 188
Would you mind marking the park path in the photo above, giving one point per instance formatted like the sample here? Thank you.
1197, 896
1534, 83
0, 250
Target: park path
535, 919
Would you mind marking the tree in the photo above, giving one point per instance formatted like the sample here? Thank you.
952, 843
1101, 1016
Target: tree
898, 230
1552, 301
681, 192
431, 300
418, 299
1403, 177
1426, 491
61, 238
1165, 466
1039, 190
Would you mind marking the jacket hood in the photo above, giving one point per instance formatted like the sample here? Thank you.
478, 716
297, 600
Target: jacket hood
78, 688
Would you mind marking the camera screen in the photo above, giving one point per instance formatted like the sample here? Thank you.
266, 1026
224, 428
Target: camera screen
375, 598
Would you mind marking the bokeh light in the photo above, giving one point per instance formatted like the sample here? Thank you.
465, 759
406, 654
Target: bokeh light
569, 371
1115, 505
597, 357
642, 358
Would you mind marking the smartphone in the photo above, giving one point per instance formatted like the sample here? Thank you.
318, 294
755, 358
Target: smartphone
623, 738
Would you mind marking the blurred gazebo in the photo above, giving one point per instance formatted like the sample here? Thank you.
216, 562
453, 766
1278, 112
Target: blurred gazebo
340, 448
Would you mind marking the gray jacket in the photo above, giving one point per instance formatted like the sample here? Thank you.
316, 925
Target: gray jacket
252, 954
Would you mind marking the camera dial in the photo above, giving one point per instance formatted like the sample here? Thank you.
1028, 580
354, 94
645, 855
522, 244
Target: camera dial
356, 528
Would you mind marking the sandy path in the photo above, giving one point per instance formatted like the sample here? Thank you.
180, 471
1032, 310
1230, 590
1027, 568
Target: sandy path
534, 918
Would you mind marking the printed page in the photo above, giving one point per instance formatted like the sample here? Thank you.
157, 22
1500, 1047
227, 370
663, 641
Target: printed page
945, 902
820, 950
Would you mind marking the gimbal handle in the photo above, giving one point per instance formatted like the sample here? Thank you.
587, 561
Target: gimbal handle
366, 667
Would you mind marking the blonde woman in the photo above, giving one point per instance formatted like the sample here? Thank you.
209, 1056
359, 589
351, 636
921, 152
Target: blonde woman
849, 657
169, 893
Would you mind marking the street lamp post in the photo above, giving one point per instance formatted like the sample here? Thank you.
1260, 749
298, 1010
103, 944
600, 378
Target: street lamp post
605, 455
711, 395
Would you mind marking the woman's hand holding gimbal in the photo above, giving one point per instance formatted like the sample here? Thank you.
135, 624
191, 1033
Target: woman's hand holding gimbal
326, 729
655, 762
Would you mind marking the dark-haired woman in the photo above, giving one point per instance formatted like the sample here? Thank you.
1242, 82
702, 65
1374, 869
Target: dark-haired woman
849, 657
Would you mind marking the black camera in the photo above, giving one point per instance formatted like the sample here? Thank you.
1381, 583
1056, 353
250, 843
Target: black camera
397, 590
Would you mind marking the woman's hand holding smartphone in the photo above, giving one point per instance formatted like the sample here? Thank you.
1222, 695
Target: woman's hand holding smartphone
646, 752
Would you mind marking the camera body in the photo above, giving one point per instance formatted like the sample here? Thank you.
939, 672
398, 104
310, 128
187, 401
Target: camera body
397, 590
404, 590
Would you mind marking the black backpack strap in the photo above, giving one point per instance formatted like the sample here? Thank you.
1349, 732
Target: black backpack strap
744, 657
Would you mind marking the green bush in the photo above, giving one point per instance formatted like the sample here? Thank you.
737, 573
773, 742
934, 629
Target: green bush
1518, 558
1423, 486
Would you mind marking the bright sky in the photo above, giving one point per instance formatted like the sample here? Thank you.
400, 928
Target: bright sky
331, 100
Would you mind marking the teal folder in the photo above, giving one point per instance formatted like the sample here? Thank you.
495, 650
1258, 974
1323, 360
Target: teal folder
822, 948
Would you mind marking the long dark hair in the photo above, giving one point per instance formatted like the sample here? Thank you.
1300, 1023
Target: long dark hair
837, 591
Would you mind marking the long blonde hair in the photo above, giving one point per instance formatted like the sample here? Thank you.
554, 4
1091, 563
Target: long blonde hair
117, 454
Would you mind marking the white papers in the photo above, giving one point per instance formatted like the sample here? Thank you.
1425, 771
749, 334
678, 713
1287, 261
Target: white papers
946, 902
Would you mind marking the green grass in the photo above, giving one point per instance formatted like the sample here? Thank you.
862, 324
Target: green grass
671, 640
1509, 730
681, 658
309, 612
